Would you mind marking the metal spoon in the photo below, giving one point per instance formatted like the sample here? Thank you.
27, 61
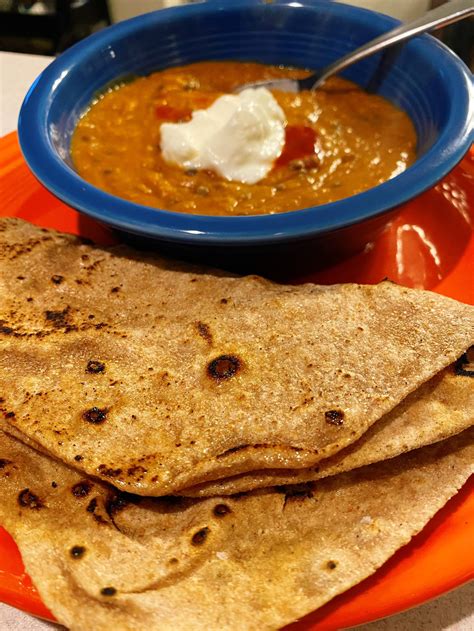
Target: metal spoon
436, 18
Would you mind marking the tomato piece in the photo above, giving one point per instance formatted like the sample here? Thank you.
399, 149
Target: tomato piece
171, 114
300, 142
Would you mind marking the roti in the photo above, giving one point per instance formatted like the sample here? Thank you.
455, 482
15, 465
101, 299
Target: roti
440, 408
157, 376
256, 561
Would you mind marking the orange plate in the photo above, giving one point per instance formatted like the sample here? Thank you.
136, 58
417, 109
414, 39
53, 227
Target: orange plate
431, 245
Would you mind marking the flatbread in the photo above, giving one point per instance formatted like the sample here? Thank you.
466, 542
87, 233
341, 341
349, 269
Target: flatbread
158, 376
439, 409
106, 560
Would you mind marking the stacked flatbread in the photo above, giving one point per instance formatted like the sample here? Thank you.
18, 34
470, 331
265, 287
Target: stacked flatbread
125, 379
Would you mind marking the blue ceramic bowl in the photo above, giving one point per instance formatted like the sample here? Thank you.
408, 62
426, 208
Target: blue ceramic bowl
426, 80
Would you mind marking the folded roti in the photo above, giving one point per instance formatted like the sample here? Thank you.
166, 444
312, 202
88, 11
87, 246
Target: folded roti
107, 560
439, 409
158, 376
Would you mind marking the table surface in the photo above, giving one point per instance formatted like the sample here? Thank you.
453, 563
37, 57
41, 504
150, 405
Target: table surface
451, 612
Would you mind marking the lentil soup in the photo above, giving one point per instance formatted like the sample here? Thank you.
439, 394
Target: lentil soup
339, 141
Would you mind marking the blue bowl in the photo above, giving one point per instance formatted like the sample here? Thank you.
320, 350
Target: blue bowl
426, 80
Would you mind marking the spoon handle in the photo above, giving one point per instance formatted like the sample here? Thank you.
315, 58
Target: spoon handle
436, 18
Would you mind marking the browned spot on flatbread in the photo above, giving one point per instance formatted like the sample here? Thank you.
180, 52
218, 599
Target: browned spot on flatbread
95, 367
334, 417
77, 552
220, 510
58, 319
92, 505
28, 499
224, 367
136, 471
95, 415
82, 488
200, 536
204, 331
109, 472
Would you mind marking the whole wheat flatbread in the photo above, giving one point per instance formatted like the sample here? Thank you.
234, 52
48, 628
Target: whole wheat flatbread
440, 408
158, 376
105, 561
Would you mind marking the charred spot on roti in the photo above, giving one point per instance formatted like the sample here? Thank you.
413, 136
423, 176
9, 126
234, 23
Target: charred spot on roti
224, 367
57, 279
92, 505
9, 414
221, 509
331, 565
95, 415
334, 417
82, 488
464, 366
136, 471
204, 331
77, 552
200, 536
95, 367
78, 458
58, 319
108, 591
6, 330
4, 463
108, 472
28, 499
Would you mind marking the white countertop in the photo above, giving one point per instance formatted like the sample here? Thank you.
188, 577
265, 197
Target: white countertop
451, 612
17, 73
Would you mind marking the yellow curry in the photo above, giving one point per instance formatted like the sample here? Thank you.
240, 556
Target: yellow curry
339, 141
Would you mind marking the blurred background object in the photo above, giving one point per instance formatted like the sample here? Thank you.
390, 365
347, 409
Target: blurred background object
124, 9
459, 37
402, 9
50, 26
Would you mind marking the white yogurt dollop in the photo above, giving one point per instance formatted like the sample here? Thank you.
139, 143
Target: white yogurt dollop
239, 136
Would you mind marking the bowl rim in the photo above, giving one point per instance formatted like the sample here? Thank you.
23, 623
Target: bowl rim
49, 168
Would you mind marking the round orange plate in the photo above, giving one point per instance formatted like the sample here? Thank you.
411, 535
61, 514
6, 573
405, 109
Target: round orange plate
431, 245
